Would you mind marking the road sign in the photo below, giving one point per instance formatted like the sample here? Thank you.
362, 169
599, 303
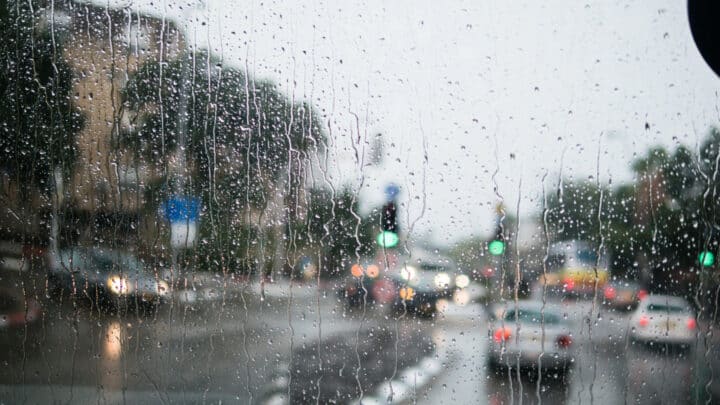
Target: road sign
183, 234
182, 209
391, 191
183, 213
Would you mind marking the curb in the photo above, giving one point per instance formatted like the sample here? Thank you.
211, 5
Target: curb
406, 385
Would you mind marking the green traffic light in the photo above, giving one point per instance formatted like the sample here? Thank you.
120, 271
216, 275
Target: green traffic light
706, 258
387, 239
496, 247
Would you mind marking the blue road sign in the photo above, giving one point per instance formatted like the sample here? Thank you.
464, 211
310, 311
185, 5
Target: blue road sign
391, 191
182, 209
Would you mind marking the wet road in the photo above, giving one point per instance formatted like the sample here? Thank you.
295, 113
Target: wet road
239, 346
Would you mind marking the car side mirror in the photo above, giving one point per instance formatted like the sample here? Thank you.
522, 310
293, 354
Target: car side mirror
704, 16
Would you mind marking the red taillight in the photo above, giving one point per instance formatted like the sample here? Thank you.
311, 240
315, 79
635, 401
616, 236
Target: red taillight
569, 284
609, 293
564, 341
644, 321
642, 294
691, 324
502, 334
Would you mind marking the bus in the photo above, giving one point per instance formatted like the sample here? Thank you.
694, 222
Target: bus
575, 268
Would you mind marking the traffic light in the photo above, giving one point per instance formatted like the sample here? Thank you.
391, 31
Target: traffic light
388, 237
389, 218
496, 247
706, 258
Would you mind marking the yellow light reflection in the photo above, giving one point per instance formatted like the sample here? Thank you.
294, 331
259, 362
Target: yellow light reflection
112, 346
407, 293
461, 297
442, 305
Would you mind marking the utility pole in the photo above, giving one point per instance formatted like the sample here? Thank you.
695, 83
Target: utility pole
57, 200
181, 210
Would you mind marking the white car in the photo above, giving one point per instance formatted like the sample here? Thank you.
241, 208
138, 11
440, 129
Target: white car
663, 319
531, 335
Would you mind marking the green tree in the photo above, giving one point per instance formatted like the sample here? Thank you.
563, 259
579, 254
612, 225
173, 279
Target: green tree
660, 223
243, 135
683, 221
336, 228
245, 144
37, 118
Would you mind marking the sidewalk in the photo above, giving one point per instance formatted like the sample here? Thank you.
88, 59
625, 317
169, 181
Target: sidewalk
210, 287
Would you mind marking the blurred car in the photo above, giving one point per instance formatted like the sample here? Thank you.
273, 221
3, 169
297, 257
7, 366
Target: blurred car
664, 319
109, 276
17, 311
414, 283
623, 294
521, 334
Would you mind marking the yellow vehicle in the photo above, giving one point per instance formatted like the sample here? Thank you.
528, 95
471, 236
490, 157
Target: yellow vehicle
575, 267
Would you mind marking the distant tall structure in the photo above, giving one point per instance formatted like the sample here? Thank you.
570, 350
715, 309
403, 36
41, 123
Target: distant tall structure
106, 189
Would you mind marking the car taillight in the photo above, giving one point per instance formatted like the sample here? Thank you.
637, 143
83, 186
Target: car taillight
644, 321
642, 294
691, 324
609, 293
569, 283
502, 334
564, 341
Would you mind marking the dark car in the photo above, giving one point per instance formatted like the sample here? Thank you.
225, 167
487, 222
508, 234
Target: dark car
17, 311
413, 282
107, 277
623, 294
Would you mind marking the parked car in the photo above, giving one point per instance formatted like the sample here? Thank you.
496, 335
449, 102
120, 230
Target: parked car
17, 311
530, 334
107, 277
623, 294
664, 319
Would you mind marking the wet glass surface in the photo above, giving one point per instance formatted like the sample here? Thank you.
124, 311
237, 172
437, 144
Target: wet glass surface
367, 202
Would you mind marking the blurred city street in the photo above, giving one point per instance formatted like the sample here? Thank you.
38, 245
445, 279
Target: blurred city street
407, 202
233, 344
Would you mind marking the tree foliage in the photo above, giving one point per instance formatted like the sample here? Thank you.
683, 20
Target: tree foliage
243, 136
38, 121
335, 226
660, 222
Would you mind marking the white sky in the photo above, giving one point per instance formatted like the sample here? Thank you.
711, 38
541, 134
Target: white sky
476, 82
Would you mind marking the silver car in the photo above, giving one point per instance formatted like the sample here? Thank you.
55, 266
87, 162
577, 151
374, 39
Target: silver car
529, 335
664, 319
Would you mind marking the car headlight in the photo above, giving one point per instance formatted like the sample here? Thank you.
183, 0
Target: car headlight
442, 280
163, 288
357, 270
408, 273
119, 285
372, 271
462, 281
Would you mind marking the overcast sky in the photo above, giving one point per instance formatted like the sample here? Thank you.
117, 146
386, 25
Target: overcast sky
526, 88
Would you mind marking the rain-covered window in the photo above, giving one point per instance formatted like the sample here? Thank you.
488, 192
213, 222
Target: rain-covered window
359, 202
